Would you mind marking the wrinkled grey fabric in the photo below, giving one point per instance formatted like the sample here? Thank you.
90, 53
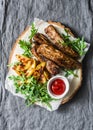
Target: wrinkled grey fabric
77, 114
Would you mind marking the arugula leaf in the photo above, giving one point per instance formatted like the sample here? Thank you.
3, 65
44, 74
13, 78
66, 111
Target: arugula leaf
33, 31
70, 72
78, 45
26, 46
32, 90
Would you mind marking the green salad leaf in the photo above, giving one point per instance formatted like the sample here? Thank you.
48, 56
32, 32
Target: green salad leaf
33, 31
78, 45
26, 45
33, 91
70, 72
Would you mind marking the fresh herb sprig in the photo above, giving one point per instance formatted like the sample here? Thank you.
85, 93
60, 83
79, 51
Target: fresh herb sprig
70, 72
26, 45
78, 45
33, 31
33, 91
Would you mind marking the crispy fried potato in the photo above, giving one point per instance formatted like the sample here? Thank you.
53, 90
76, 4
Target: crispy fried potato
42, 79
39, 70
15, 69
19, 67
41, 65
46, 74
30, 72
31, 69
27, 65
22, 58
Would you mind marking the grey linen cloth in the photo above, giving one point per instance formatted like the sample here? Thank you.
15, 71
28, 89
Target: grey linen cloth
77, 114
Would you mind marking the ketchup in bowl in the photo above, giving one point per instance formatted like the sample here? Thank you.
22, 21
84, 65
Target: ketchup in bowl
58, 87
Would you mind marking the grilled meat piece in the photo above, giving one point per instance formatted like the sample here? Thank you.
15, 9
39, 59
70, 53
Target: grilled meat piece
50, 65
58, 57
34, 52
41, 39
57, 41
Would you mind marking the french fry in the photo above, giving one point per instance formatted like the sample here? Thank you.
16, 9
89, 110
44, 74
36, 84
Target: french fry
41, 65
39, 70
14, 68
19, 67
30, 72
31, 69
46, 75
30, 64
27, 65
22, 58
42, 79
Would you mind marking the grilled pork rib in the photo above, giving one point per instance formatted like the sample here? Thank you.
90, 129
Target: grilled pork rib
41, 39
50, 65
58, 57
57, 41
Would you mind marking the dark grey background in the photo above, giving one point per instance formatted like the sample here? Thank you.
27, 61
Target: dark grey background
15, 15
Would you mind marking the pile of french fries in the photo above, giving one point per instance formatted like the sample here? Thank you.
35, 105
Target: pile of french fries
30, 67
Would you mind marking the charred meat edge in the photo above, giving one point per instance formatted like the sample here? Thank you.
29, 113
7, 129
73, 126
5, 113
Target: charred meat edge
58, 57
50, 65
57, 40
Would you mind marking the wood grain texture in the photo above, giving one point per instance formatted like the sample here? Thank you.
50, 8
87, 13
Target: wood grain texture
15, 15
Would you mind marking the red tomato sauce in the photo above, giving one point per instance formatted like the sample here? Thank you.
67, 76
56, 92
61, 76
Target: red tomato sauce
58, 87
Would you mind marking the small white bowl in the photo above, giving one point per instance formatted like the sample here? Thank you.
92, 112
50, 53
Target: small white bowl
51, 81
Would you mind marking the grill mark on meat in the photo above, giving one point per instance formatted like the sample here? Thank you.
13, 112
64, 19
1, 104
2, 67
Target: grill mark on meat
56, 39
50, 65
41, 39
58, 57
34, 52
